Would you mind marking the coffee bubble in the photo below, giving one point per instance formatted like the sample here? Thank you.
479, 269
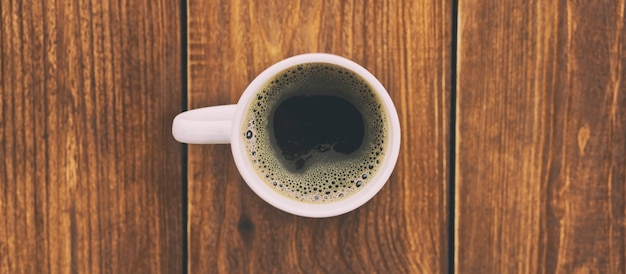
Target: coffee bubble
329, 143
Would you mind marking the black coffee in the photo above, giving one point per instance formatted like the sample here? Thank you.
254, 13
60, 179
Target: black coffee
316, 132
322, 123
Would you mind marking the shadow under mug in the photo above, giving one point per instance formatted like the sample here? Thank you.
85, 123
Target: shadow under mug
225, 125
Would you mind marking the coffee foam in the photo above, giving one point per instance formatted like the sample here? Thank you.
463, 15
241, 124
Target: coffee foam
330, 176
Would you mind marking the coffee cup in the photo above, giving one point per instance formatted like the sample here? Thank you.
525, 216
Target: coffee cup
315, 135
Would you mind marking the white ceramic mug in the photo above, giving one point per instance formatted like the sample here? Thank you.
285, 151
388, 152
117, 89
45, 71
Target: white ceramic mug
223, 125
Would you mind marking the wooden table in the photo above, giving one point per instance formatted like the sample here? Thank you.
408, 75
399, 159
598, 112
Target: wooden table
513, 146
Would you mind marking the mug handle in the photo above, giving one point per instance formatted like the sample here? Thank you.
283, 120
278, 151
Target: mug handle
209, 125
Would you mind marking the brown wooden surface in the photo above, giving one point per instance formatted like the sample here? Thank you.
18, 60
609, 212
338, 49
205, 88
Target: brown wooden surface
90, 178
541, 139
406, 44
89, 172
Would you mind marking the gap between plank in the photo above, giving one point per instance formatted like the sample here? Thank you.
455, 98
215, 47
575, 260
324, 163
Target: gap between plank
452, 145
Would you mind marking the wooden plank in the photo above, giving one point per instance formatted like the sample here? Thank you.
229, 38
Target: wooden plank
406, 44
541, 147
89, 173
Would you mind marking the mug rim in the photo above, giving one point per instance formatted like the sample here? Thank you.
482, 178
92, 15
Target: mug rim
284, 203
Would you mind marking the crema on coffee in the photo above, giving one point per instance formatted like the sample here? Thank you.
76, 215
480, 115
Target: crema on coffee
316, 132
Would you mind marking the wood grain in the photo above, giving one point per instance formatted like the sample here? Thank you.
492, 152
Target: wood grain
406, 44
89, 172
541, 140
